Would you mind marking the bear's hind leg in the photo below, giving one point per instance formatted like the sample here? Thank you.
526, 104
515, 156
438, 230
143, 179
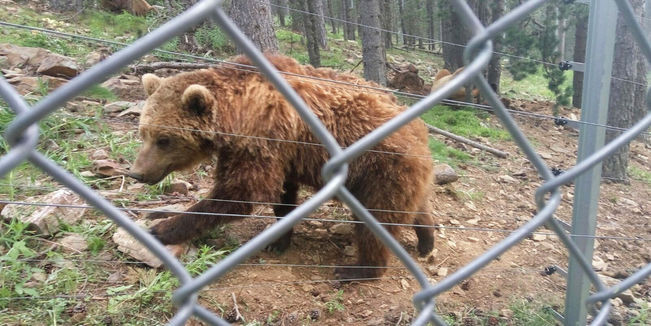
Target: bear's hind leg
425, 234
373, 255
288, 201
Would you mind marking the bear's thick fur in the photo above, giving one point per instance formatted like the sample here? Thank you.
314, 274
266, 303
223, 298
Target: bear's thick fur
264, 151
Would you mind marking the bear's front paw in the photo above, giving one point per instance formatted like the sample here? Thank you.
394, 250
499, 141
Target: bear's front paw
166, 232
279, 246
355, 273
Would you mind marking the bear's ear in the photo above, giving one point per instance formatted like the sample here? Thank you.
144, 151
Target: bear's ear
197, 99
150, 82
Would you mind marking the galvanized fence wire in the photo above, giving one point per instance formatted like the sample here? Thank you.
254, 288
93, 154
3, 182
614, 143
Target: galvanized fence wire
22, 135
245, 67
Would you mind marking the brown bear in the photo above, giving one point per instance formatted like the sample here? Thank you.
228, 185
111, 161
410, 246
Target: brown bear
264, 151
444, 76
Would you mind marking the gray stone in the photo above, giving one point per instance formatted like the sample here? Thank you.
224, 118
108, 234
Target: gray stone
118, 106
46, 219
342, 229
444, 174
132, 247
74, 243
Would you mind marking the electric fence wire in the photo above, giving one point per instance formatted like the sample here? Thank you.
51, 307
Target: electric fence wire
456, 228
523, 58
233, 65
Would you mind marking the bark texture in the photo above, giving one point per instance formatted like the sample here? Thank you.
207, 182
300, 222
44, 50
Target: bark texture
253, 17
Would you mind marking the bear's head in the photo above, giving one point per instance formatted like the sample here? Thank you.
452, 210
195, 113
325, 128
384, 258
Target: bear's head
175, 125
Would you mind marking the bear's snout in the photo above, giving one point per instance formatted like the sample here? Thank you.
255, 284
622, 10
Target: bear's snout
137, 176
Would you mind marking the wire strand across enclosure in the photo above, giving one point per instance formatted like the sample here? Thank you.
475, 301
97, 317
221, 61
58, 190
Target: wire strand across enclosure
22, 134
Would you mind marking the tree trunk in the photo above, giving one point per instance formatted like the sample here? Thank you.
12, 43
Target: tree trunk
580, 38
65, 5
453, 37
282, 11
316, 7
331, 14
429, 7
387, 22
401, 12
311, 24
347, 7
373, 53
495, 64
623, 108
253, 17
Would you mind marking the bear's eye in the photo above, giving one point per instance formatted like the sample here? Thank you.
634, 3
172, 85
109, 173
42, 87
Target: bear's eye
163, 142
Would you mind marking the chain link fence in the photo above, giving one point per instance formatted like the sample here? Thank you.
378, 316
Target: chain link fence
23, 135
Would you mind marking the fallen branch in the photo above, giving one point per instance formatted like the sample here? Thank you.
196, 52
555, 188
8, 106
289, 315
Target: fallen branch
237, 311
464, 140
151, 67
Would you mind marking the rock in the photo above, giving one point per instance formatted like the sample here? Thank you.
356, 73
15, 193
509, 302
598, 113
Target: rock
134, 110
443, 272
473, 221
132, 247
96, 56
617, 302
58, 66
99, 154
29, 84
473, 239
454, 222
342, 229
350, 251
118, 106
45, 220
538, 237
598, 264
107, 168
18, 56
404, 284
180, 186
125, 87
627, 297
444, 174
37, 60
74, 243
507, 179
319, 233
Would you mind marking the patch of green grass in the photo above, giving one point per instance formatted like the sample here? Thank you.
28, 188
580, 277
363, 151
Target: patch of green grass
464, 122
639, 174
533, 86
527, 313
100, 93
336, 302
214, 38
644, 318
105, 24
446, 154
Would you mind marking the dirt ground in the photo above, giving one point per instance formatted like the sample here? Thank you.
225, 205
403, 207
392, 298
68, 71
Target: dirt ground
491, 198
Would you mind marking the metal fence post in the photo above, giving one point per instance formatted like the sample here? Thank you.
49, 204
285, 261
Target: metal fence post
598, 68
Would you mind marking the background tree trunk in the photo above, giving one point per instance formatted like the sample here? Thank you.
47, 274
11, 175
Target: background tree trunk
312, 30
387, 22
331, 14
66, 5
453, 37
253, 17
347, 7
372, 50
282, 11
494, 73
624, 103
317, 6
429, 7
580, 38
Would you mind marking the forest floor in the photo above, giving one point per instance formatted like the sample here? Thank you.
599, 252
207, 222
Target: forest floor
47, 280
